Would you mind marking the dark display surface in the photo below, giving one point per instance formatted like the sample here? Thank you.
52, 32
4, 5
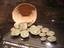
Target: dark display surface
49, 15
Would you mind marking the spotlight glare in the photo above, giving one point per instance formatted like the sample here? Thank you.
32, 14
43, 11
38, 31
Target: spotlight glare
49, 44
53, 20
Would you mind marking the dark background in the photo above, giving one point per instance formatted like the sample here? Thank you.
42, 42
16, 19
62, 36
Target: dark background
47, 10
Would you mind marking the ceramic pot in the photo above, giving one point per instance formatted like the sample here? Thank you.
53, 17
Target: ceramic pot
24, 12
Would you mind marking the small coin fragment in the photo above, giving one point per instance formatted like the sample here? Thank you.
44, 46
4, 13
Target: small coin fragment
45, 29
12, 29
51, 39
16, 25
34, 30
43, 38
15, 32
50, 33
23, 26
24, 34
42, 34
40, 26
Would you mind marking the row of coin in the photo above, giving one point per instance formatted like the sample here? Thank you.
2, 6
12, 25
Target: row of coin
23, 30
43, 32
